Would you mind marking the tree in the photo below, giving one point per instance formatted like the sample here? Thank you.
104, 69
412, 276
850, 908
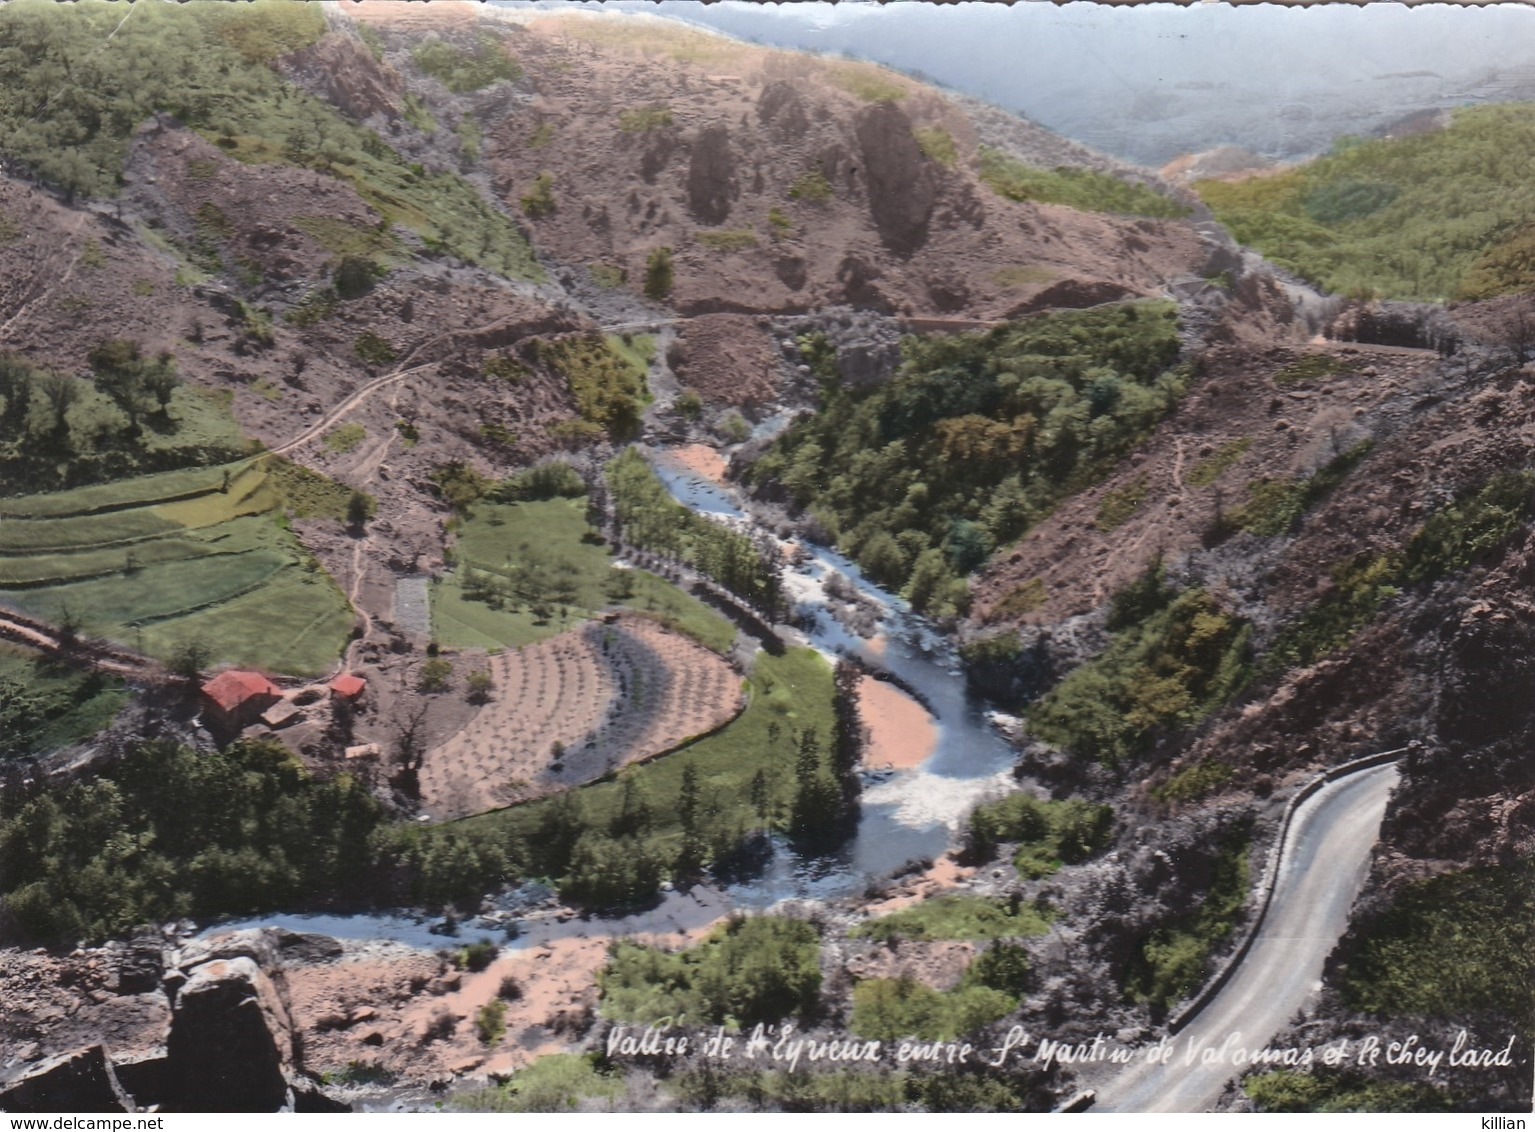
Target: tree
161, 382
61, 393
435, 673
634, 814
815, 816
360, 508
190, 657
355, 277
690, 857
658, 274
16, 387
479, 683
132, 381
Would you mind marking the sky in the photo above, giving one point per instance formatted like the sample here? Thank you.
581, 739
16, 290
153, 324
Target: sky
1151, 81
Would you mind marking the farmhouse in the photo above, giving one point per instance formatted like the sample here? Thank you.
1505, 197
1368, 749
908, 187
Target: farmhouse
347, 687
234, 699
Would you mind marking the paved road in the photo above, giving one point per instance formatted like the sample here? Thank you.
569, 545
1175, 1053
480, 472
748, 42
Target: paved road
1327, 857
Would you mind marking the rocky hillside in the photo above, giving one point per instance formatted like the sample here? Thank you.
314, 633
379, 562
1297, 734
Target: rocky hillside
1200, 531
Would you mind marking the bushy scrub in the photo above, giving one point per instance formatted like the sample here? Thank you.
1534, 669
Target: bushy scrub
1438, 215
1172, 962
1174, 659
749, 970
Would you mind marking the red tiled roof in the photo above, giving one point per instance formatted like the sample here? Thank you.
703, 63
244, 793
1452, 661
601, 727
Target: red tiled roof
232, 688
348, 686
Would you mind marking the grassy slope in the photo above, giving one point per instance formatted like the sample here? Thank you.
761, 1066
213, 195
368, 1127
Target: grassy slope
77, 704
499, 535
1435, 216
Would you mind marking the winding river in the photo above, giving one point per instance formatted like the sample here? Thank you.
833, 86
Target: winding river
909, 814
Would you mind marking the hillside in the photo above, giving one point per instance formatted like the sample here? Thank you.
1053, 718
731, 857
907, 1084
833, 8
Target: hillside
1439, 212
784, 543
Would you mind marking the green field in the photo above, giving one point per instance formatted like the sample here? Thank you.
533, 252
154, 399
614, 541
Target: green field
157, 561
44, 704
789, 693
529, 570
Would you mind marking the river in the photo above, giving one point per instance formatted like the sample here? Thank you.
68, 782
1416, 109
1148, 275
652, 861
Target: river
907, 815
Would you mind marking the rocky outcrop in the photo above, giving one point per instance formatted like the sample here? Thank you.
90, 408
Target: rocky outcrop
82, 1081
901, 183
782, 109
231, 1042
227, 1043
343, 71
711, 176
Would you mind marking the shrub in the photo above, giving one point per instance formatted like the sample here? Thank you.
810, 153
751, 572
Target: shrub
490, 1022
812, 187
344, 438
645, 118
538, 201
658, 274
608, 275
1116, 507
1083, 189
436, 671
748, 970
372, 349
460, 485
479, 684
937, 144
464, 70
728, 239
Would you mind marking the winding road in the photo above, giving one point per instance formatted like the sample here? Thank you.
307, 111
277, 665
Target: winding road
1325, 859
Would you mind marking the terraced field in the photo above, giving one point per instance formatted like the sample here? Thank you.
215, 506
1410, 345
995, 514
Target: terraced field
572, 708
158, 561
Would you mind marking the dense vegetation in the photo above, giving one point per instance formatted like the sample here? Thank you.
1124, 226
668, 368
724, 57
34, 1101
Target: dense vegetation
131, 416
1174, 658
1438, 215
1174, 960
748, 970
556, 1082
891, 1009
46, 704
1455, 946
649, 518
1084, 189
606, 376
1048, 834
466, 69
975, 440
80, 85
1324, 1090
169, 832
958, 916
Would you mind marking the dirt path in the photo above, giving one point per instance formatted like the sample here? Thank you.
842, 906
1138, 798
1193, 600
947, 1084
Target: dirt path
118, 662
